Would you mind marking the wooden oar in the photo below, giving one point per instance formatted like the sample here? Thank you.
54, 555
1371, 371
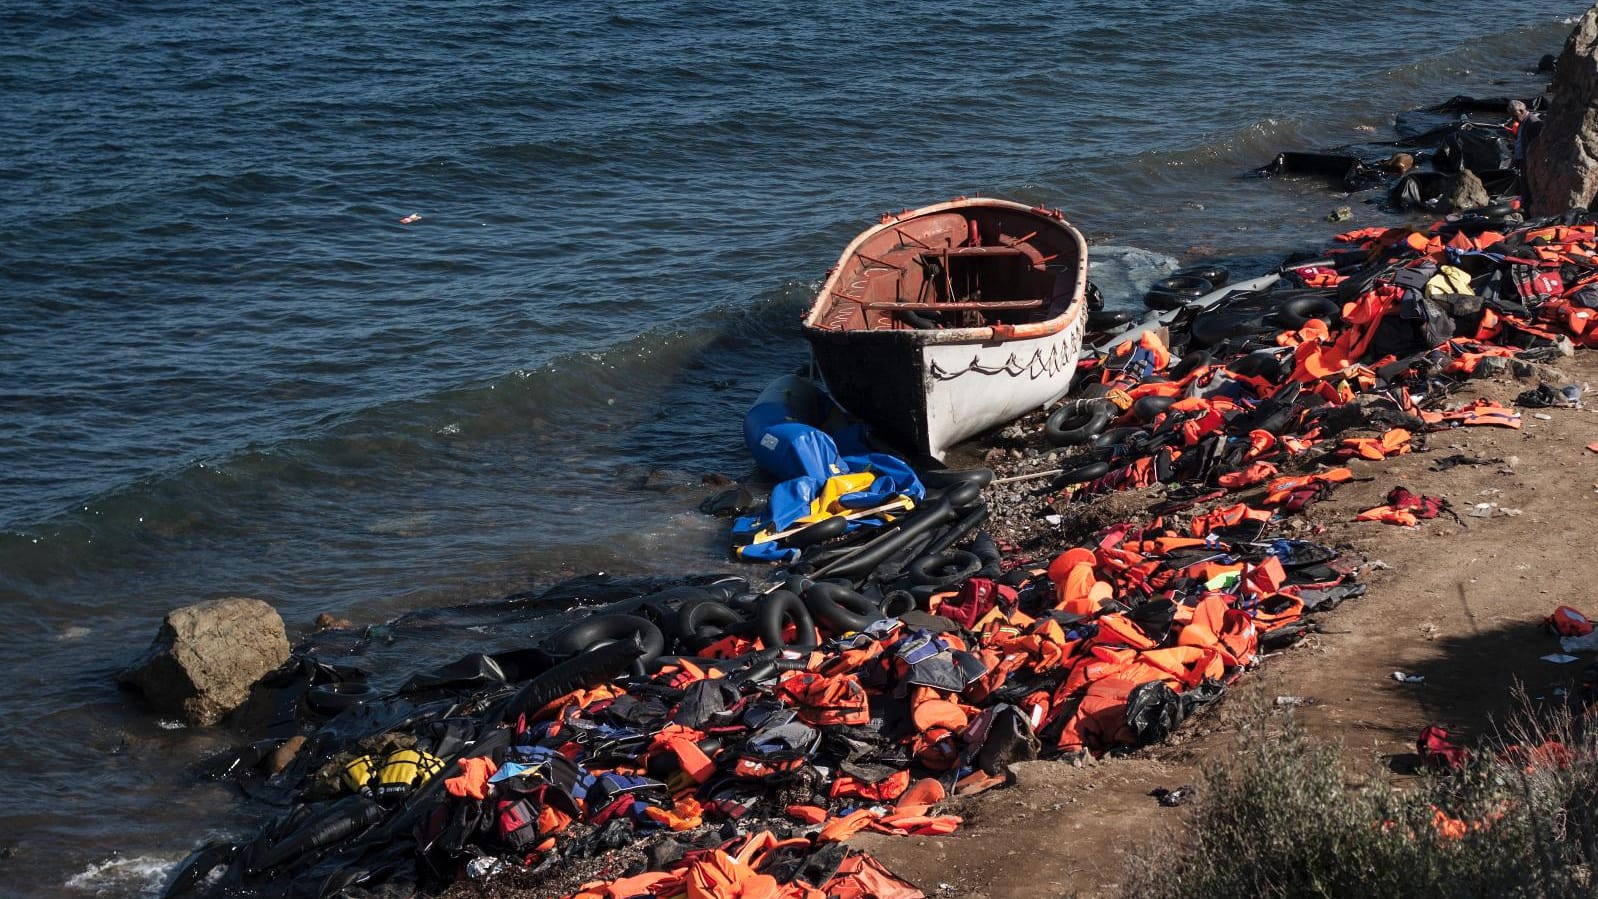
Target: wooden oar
899, 504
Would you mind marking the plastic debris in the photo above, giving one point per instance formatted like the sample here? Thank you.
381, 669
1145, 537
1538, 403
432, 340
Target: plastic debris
411, 219
1560, 658
1403, 678
1172, 798
1584, 643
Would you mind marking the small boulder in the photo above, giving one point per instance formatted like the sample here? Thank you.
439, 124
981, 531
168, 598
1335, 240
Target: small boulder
206, 656
1465, 191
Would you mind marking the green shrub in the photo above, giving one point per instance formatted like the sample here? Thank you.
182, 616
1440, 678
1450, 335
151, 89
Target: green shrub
1282, 817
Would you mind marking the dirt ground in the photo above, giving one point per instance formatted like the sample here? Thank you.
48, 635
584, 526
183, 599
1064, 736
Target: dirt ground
1459, 605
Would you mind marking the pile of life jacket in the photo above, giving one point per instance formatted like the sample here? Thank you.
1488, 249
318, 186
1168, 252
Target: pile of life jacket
719, 763
1417, 313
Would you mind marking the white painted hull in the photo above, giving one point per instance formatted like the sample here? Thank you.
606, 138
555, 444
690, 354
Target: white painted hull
971, 388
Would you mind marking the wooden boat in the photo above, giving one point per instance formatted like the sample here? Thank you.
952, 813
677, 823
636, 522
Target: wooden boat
942, 322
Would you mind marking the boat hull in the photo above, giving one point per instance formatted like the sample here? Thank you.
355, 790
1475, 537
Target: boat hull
940, 323
928, 397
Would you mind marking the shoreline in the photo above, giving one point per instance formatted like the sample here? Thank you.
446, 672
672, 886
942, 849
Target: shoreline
1079, 519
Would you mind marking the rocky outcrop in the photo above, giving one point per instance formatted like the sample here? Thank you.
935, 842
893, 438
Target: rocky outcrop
1562, 159
206, 656
1465, 191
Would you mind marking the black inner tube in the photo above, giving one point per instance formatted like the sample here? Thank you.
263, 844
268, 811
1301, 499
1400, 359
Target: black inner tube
1147, 408
781, 607
942, 478
1084, 473
1297, 312
1113, 437
898, 602
701, 621
1215, 275
944, 569
1176, 291
1190, 363
963, 496
1077, 422
818, 532
840, 609
582, 672
591, 633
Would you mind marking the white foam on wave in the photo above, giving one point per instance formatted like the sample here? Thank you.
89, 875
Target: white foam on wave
139, 875
1123, 274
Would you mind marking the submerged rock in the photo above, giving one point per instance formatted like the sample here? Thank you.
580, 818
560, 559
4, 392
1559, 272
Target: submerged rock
206, 656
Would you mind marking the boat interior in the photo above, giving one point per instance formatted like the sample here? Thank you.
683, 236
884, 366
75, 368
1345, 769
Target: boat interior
967, 268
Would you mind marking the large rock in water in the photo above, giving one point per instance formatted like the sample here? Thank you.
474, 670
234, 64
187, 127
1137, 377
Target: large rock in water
1562, 160
1465, 191
207, 655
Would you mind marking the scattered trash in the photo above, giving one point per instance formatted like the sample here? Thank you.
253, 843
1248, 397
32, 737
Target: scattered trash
1458, 459
1403, 678
1482, 510
1542, 416
411, 219
1406, 508
1053, 520
1560, 658
1546, 397
1340, 214
1438, 753
1288, 701
1584, 643
1172, 798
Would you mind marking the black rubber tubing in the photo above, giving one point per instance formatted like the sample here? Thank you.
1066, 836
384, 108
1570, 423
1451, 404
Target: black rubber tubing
912, 526
988, 551
1256, 364
1297, 312
818, 532
782, 606
962, 496
941, 478
1190, 363
1147, 408
840, 609
1077, 422
585, 635
970, 522
1084, 473
944, 569
582, 672
1112, 438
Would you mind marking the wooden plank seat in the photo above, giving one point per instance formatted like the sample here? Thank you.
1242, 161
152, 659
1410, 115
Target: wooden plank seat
977, 306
